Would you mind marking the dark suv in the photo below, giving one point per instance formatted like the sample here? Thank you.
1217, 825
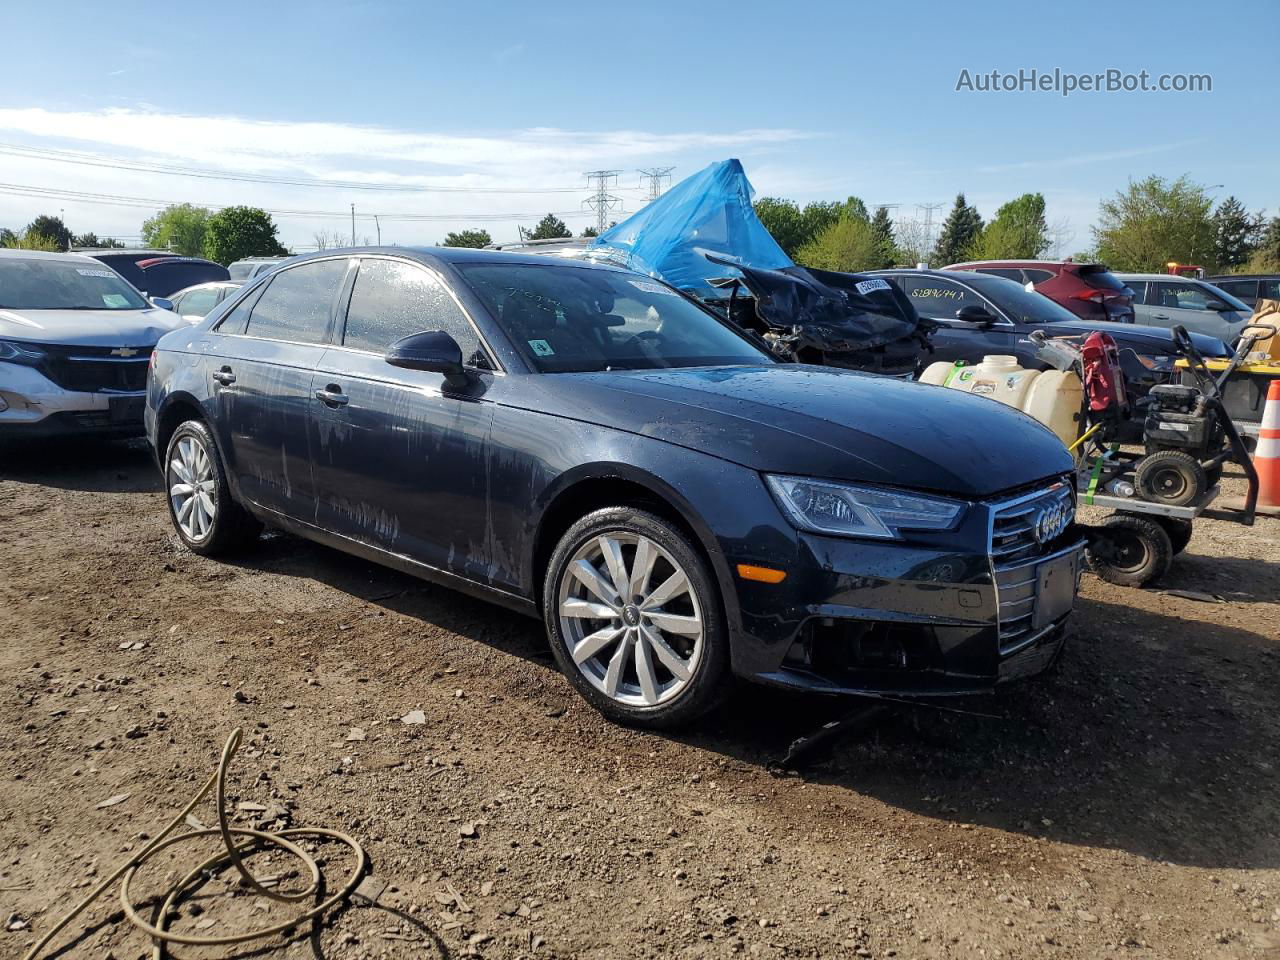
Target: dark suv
1249, 287
585, 444
1089, 290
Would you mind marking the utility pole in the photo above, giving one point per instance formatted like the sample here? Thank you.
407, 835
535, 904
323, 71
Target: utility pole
928, 209
378, 227
656, 177
602, 201
353, 224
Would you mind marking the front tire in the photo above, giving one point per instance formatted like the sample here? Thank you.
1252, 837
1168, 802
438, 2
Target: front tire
206, 518
635, 619
1135, 551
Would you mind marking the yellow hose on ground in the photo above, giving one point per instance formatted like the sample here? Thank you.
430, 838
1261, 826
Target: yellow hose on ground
232, 851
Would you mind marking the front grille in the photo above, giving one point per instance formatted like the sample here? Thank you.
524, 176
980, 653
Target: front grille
95, 369
1015, 552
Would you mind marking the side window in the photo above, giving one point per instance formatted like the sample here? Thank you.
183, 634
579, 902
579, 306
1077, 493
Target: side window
938, 299
198, 302
1038, 276
233, 323
1139, 288
1270, 290
1183, 296
296, 303
393, 299
1005, 272
1246, 290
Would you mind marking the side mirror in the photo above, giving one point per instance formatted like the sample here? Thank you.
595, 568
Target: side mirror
978, 316
436, 352
162, 303
1220, 306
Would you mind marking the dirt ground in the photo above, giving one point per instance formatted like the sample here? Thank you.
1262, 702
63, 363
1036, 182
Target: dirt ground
1125, 807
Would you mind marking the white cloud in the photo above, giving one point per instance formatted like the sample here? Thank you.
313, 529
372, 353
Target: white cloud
1082, 159
536, 157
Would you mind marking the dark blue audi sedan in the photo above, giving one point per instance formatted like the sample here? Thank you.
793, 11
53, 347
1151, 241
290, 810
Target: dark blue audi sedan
587, 445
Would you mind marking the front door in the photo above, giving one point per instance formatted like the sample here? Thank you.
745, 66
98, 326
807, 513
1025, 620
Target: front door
261, 370
1170, 303
399, 457
939, 300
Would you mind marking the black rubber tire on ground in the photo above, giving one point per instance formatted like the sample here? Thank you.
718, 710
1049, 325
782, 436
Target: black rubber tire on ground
1140, 548
1171, 477
710, 680
1179, 531
233, 527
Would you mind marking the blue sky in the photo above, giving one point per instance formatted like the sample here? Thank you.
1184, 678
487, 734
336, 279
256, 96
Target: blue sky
818, 100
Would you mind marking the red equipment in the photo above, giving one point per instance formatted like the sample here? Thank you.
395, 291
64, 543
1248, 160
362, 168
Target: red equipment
1103, 380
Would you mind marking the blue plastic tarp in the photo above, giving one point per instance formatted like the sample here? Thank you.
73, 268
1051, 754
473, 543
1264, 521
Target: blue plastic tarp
709, 212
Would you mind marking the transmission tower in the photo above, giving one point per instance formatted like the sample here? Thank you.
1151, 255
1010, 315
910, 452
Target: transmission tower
602, 201
928, 209
656, 176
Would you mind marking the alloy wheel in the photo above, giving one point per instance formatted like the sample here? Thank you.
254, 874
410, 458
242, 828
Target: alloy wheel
192, 488
631, 619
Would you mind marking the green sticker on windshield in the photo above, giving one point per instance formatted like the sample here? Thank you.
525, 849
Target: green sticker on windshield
115, 300
541, 348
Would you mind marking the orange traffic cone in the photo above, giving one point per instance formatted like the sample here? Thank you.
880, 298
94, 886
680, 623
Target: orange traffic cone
1266, 458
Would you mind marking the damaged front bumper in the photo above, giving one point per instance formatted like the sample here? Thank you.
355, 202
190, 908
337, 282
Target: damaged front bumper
890, 618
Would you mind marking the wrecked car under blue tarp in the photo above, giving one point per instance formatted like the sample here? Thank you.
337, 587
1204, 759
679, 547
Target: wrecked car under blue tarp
703, 237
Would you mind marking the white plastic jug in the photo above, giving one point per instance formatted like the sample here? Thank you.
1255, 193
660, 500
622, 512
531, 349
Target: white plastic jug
1053, 396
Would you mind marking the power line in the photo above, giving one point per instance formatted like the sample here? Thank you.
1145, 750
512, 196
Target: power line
107, 199
602, 201
203, 173
656, 177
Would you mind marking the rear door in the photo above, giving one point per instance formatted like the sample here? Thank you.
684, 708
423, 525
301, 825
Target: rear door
400, 460
956, 339
261, 372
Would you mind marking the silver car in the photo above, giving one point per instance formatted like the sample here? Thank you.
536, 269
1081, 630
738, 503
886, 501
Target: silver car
75, 341
1165, 300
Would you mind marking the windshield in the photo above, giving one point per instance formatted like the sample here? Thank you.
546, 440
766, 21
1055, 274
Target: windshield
1021, 304
570, 319
64, 285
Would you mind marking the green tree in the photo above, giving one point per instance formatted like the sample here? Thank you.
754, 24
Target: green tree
180, 228
1236, 233
234, 233
51, 229
960, 232
589, 232
1152, 222
793, 227
550, 227
850, 245
28, 239
92, 241
1018, 231
468, 238
882, 227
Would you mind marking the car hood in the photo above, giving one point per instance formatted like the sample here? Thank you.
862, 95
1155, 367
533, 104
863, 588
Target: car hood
1143, 339
89, 328
819, 422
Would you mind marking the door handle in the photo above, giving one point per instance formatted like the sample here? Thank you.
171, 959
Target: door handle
1159, 316
332, 396
224, 376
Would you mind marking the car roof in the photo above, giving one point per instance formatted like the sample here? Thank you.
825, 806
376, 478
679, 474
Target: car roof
268, 259
1244, 276
1157, 276
1023, 263
461, 255
10, 254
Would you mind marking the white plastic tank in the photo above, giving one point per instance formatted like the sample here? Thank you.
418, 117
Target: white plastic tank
1053, 397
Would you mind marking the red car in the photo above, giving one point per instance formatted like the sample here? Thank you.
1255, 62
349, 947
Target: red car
1089, 290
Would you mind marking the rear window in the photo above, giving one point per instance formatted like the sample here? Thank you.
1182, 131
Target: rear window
1100, 278
1006, 272
240, 271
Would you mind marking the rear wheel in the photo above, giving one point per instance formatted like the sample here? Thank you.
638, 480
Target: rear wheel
206, 518
1131, 551
1171, 477
635, 619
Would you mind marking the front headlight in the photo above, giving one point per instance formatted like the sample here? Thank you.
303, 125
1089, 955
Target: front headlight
15, 352
849, 510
